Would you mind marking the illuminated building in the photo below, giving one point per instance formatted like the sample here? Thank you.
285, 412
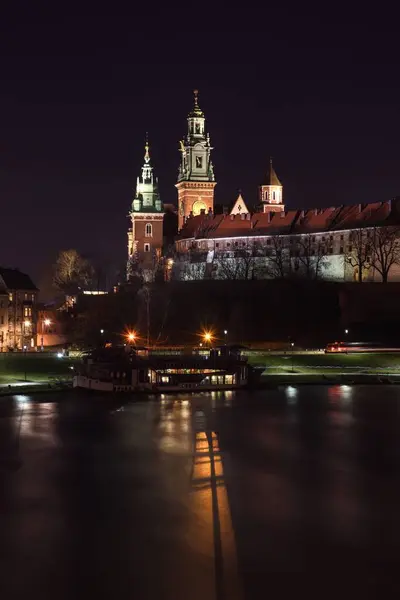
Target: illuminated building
145, 237
213, 246
196, 181
21, 307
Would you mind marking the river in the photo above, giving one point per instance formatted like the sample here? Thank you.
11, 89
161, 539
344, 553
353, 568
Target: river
218, 495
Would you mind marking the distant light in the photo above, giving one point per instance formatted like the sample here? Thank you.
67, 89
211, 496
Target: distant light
346, 331
101, 330
25, 347
94, 292
292, 344
47, 322
225, 332
170, 262
59, 354
207, 336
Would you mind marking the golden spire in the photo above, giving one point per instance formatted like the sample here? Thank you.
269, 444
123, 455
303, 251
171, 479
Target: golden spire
196, 112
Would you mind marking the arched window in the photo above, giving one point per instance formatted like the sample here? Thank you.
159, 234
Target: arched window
149, 229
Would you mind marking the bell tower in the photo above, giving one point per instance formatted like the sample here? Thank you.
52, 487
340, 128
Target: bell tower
196, 181
271, 197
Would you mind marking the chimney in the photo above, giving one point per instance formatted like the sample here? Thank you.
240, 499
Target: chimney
232, 217
243, 216
248, 216
316, 212
360, 207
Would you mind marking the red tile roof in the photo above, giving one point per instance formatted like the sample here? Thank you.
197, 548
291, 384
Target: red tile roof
293, 221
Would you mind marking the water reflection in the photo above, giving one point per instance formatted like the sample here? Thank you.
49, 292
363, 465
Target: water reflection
211, 509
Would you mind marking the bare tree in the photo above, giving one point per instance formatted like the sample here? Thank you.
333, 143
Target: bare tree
312, 256
358, 253
279, 259
385, 249
72, 271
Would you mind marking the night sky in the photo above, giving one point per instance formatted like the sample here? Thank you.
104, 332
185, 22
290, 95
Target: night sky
78, 94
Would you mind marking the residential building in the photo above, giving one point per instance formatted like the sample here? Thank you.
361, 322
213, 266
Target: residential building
22, 309
3, 317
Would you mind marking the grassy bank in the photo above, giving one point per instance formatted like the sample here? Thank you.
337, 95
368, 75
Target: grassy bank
320, 363
33, 367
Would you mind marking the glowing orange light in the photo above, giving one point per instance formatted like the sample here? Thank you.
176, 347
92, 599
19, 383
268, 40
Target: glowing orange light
131, 336
208, 337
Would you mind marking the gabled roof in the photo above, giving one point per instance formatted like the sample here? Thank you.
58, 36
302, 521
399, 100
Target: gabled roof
240, 206
16, 280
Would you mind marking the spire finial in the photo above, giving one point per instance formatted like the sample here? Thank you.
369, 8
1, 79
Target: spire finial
146, 148
196, 103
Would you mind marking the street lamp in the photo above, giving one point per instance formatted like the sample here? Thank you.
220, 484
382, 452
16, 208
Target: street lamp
292, 345
45, 323
102, 331
346, 331
207, 336
25, 348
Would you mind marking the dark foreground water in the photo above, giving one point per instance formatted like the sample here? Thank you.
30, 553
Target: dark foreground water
284, 494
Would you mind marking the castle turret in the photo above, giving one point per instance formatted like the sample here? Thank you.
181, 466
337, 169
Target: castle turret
271, 192
145, 238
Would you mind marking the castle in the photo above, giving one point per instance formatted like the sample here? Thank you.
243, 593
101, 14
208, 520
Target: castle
344, 243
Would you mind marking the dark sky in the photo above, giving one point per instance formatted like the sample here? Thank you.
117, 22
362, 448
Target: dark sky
319, 93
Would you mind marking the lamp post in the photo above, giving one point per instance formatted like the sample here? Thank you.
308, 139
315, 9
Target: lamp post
292, 345
346, 331
27, 324
45, 323
226, 336
25, 348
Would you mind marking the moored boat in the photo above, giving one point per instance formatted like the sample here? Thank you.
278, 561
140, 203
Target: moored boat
141, 370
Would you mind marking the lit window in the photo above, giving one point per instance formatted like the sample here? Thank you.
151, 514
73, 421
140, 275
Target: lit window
229, 379
149, 229
147, 247
10, 297
273, 195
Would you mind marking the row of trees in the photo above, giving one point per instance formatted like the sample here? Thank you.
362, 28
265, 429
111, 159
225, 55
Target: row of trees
305, 256
377, 248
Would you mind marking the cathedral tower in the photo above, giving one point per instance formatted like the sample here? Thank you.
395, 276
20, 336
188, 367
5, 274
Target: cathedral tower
271, 197
145, 238
196, 181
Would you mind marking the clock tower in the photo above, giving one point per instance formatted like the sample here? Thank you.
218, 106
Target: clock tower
196, 181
